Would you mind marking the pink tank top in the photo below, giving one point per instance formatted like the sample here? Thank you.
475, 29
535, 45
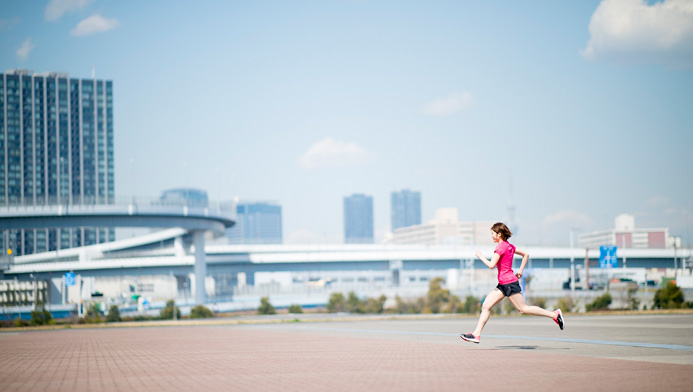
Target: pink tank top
506, 251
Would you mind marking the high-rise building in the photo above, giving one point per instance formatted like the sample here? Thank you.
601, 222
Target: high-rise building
56, 147
256, 223
405, 209
358, 219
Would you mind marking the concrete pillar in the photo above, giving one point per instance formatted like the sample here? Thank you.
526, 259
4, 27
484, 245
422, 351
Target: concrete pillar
200, 266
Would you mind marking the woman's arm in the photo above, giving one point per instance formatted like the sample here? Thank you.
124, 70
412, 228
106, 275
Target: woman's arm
525, 257
490, 264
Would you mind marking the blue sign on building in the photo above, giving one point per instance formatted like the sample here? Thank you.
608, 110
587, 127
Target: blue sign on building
607, 257
69, 278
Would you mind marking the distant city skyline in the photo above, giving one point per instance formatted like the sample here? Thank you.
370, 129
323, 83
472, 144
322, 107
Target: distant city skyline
358, 219
256, 223
307, 102
405, 208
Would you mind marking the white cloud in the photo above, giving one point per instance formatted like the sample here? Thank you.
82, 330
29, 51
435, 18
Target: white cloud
453, 103
56, 8
568, 217
25, 49
330, 153
93, 25
631, 31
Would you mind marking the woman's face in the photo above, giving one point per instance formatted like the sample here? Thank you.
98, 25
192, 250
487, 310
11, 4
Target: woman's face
496, 236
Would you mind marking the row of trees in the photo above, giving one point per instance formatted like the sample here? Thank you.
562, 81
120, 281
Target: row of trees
440, 300
668, 297
437, 300
169, 312
267, 308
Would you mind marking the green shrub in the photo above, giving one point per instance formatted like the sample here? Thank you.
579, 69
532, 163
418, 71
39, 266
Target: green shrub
266, 307
566, 304
454, 305
336, 303
373, 305
93, 314
633, 301
600, 303
472, 305
40, 316
295, 308
412, 306
353, 303
113, 314
167, 312
668, 297
436, 296
201, 311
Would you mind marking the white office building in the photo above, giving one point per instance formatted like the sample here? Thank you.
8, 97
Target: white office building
445, 228
626, 235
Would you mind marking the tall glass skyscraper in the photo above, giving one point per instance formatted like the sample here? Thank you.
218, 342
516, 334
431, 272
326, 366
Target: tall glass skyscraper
256, 223
358, 219
405, 209
56, 147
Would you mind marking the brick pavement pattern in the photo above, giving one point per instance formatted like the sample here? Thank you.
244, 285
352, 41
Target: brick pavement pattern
195, 358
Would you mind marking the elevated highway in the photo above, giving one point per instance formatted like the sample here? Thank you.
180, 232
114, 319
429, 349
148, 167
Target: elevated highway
194, 221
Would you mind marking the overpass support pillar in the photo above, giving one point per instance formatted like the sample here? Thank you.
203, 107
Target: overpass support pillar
200, 266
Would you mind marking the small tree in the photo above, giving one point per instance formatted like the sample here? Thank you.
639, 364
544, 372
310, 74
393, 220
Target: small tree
266, 307
41, 316
353, 303
336, 303
454, 305
167, 312
668, 297
201, 311
600, 303
373, 305
472, 305
113, 314
413, 306
295, 308
437, 296
93, 313
633, 301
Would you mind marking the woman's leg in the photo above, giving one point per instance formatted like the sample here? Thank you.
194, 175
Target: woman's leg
519, 302
493, 298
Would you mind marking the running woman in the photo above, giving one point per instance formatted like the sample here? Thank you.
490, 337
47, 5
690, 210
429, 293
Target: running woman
508, 283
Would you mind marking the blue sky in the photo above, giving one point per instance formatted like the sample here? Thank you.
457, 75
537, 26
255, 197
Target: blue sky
584, 107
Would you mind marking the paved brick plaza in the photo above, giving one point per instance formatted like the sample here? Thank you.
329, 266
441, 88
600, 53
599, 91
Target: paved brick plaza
357, 355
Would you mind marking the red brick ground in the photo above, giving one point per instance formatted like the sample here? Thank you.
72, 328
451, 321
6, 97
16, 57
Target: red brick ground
256, 359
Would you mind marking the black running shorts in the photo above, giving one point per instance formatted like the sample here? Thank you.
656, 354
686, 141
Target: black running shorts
510, 288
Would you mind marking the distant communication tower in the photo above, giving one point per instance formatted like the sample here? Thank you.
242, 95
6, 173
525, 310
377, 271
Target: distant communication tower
512, 225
